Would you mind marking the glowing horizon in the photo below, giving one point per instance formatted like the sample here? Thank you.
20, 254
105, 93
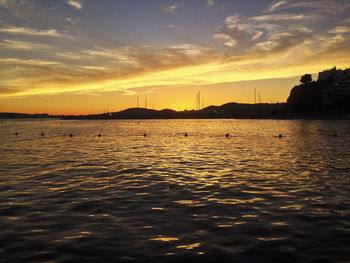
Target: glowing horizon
82, 57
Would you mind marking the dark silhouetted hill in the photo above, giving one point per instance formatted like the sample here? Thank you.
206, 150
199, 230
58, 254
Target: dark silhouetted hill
229, 110
9, 115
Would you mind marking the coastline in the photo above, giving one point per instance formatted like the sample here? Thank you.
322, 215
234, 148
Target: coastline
232, 110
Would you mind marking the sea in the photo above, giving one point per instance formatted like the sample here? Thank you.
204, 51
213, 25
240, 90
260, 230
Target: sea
142, 191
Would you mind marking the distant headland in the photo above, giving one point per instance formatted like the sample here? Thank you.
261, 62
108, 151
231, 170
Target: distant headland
228, 110
327, 97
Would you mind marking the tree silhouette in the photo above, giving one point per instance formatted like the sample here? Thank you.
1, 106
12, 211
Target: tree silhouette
306, 78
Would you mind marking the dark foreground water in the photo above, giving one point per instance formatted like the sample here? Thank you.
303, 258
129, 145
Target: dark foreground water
123, 197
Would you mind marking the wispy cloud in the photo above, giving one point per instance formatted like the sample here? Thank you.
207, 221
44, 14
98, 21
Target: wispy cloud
282, 40
173, 28
101, 67
209, 3
286, 34
123, 55
75, 3
340, 30
227, 40
151, 56
319, 6
282, 55
67, 55
280, 43
95, 68
257, 35
190, 50
72, 20
29, 62
22, 45
284, 17
170, 9
26, 17
30, 31
241, 32
274, 6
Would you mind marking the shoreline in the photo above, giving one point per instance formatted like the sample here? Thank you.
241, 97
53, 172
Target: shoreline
194, 118
232, 110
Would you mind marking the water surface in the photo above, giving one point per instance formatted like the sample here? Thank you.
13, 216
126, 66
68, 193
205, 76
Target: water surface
123, 197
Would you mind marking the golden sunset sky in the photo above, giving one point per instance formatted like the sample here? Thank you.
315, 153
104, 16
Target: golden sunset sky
89, 56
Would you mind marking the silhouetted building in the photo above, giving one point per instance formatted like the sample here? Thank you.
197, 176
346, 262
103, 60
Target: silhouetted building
331, 92
336, 92
334, 74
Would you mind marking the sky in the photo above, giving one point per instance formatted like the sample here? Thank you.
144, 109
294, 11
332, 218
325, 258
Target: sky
94, 56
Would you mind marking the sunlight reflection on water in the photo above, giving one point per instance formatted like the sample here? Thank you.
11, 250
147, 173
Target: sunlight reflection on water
252, 197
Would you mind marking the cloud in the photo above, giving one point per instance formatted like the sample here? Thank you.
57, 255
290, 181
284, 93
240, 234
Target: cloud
150, 56
247, 24
241, 32
280, 43
190, 50
170, 9
75, 3
32, 32
30, 15
122, 55
320, 6
173, 28
282, 55
95, 68
29, 62
257, 35
269, 45
282, 17
287, 38
259, 32
24, 75
67, 55
340, 30
101, 67
22, 45
209, 3
276, 5
227, 40
73, 21
233, 21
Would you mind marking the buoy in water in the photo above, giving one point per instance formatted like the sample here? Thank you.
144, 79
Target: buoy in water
186, 134
227, 135
16, 133
99, 135
144, 135
280, 136
70, 135
42, 134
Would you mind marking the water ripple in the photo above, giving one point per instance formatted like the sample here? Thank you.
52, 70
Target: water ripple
123, 197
